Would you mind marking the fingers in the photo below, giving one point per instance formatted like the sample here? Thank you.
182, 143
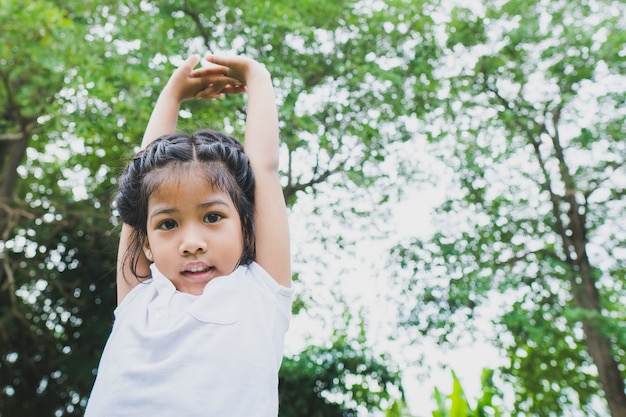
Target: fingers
234, 89
237, 66
221, 80
192, 61
215, 92
218, 86
229, 60
218, 59
223, 75
212, 69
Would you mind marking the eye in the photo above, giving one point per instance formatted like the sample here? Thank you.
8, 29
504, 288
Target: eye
212, 218
166, 224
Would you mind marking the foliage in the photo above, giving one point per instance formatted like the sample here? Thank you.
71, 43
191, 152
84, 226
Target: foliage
49, 313
522, 101
342, 378
78, 80
533, 143
52, 328
457, 405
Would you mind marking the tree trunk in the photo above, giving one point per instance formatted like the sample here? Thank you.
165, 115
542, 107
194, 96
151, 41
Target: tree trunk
13, 148
12, 151
584, 290
586, 296
611, 380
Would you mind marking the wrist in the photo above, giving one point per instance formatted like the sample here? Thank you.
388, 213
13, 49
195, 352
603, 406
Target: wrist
257, 73
172, 94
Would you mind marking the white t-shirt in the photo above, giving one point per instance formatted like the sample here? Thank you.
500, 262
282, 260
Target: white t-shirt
175, 354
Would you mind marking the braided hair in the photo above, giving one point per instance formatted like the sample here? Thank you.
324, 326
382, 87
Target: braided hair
222, 162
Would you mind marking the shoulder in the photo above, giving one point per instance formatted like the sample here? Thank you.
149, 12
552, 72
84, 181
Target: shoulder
258, 275
133, 298
259, 288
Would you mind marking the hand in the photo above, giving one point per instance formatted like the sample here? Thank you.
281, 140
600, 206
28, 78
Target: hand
203, 83
239, 67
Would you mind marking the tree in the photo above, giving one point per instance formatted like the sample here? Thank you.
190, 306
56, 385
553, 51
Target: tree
341, 378
534, 143
78, 82
49, 312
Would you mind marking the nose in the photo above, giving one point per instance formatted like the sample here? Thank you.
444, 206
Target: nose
192, 241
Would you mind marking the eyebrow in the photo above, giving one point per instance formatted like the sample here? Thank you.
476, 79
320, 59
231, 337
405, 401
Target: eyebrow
205, 205
215, 202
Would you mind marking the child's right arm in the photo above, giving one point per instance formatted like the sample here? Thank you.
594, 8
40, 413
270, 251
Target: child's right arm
206, 83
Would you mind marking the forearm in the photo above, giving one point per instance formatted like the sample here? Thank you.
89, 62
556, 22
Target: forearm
163, 119
261, 133
262, 147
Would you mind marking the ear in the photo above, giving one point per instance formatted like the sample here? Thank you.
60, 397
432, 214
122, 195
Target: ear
147, 251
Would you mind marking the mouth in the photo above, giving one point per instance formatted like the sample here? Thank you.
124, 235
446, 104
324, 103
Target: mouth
197, 268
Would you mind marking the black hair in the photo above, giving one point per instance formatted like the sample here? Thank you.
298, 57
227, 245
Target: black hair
222, 160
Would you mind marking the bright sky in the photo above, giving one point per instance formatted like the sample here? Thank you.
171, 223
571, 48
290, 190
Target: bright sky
365, 289
362, 279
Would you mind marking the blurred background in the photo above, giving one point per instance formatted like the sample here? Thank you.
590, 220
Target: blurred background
455, 173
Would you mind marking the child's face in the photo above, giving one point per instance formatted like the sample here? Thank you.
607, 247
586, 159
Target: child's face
194, 233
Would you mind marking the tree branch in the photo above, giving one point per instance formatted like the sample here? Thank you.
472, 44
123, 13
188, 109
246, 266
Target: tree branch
291, 189
7, 137
195, 17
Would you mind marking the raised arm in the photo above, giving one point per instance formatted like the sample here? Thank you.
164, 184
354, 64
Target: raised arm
184, 84
262, 147
207, 82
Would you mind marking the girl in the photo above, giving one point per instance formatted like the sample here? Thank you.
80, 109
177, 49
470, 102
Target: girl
204, 278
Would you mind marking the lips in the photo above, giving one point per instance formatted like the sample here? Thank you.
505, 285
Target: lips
196, 267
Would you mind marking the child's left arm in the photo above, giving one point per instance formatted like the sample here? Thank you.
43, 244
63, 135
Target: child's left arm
262, 148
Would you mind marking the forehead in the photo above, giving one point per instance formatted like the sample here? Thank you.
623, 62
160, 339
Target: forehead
187, 181
189, 193
213, 176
